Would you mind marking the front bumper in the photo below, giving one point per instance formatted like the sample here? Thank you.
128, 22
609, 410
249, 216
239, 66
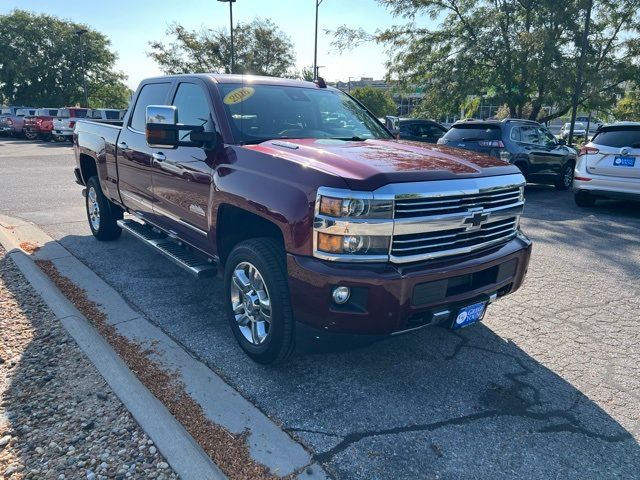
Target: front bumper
62, 132
388, 299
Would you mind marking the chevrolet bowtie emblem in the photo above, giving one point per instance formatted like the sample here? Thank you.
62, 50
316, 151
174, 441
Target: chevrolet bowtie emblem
475, 220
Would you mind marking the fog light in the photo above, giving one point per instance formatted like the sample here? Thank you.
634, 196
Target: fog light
341, 295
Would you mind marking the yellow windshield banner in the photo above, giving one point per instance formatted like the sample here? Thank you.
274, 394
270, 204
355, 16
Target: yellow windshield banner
238, 95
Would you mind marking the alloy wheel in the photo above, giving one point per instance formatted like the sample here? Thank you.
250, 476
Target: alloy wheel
93, 208
251, 303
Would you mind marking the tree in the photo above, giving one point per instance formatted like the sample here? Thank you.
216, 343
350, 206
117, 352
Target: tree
40, 63
521, 53
260, 48
628, 108
379, 102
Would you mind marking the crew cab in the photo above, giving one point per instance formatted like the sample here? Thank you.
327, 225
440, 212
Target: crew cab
323, 230
64, 123
40, 124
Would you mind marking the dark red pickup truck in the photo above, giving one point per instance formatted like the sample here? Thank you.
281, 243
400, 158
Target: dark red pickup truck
325, 226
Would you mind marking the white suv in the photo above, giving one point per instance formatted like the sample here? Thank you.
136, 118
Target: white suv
609, 165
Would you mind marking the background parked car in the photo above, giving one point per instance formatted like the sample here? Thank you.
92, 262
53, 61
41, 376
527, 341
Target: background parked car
579, 130
13, 123
65, 121
40, 125
524, 143
609, 165
594, 123
420, 130
106, 115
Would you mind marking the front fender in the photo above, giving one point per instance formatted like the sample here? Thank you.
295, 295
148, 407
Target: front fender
278, 190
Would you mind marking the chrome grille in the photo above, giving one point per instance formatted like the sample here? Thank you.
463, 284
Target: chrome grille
456, 240
439, 205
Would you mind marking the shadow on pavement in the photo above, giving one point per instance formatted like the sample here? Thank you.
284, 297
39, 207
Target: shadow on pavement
430, 404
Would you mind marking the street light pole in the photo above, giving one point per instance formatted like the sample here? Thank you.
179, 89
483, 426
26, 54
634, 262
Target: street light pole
80, 33
231, 30
315, 46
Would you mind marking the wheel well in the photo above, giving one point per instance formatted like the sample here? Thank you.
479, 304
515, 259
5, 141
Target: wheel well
523, 166
235, 225
88, 167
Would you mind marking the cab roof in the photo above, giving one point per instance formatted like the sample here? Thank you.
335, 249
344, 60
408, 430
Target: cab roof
244, 79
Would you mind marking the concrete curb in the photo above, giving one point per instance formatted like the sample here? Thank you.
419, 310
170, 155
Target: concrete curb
268, 444
182, 452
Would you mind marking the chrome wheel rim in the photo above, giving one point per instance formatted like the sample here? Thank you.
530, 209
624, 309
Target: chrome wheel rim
93, 208
250, 303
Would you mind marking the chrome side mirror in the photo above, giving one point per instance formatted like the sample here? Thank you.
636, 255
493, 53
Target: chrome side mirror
161, 126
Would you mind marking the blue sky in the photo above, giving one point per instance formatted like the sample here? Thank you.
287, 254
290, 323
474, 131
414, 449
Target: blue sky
132, 24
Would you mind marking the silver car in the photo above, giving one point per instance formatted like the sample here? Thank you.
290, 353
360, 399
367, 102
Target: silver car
579, 130
609, 165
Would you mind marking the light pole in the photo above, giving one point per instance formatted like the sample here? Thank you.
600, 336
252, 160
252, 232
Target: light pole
230, 2
315, 46
80, 33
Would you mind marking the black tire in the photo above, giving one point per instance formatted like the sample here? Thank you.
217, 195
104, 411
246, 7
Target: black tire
105, 228
268, 257
523, 167
584, 199
31, 135
565, 179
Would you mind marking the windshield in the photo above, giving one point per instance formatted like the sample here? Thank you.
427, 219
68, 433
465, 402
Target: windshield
470, 132
258, 113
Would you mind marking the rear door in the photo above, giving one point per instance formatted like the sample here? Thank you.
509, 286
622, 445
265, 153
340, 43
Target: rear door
618, 152
134, 158
182, 177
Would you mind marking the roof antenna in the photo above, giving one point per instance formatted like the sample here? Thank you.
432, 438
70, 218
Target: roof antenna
320, 82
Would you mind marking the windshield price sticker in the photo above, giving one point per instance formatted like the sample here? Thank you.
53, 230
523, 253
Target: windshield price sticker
238, 95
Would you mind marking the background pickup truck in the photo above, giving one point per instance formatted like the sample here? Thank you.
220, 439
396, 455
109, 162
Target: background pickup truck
65, 121
40, 125
325, 227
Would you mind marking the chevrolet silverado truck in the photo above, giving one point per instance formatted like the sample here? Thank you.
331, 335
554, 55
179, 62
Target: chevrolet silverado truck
323, 225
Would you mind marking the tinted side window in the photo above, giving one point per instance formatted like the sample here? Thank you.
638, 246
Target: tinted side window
151, 94
529, 134
193, 108
627, 137
546, 136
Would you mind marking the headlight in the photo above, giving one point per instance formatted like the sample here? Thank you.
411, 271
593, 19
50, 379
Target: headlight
355, 207
353, 244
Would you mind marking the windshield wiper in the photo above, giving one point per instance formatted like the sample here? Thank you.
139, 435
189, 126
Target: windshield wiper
349, 139
262, 140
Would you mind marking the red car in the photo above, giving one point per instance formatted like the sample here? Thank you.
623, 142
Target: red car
40, 125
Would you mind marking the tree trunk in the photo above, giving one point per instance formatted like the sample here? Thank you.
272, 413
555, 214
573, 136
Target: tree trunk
577, 91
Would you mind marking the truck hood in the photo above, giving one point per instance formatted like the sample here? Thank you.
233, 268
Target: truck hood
370, 164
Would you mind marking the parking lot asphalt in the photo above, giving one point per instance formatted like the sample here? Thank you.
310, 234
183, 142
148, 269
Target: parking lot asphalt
547, 387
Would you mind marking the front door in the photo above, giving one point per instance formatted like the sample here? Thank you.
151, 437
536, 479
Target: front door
182, 177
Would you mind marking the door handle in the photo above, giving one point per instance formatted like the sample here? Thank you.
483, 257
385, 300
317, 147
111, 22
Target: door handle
159, 156
123, 146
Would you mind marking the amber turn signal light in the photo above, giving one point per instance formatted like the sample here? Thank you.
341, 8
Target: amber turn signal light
330, 243
331, 206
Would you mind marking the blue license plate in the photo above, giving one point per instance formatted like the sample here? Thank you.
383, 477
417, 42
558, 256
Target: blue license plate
624, 161
469, 315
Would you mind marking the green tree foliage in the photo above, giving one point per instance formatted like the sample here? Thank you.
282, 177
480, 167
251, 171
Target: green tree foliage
260, 48
521, 53
40, 64
379, 102
628, 108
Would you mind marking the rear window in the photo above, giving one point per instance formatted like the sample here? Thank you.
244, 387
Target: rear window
618, 137
79, 112
470, 133
112, 115
63, 113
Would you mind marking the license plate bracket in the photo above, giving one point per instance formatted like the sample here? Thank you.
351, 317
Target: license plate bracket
469, 315
624, 161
